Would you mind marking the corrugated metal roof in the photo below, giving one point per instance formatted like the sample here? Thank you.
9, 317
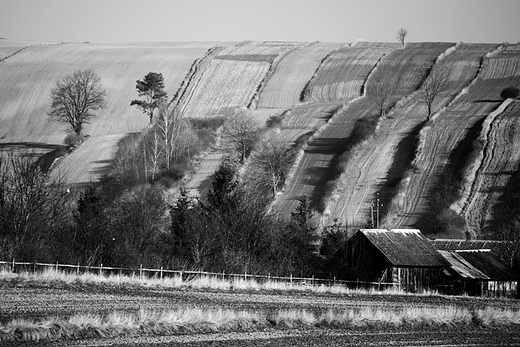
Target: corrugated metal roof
490, 265
405, 247
461, 268
478, 265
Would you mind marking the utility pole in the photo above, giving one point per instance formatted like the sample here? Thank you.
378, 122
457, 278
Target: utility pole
374, 212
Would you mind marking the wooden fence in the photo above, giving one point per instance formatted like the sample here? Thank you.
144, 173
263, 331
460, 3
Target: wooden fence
141, 272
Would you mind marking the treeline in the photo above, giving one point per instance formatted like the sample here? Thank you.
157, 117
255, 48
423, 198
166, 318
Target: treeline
131, 218
230, 230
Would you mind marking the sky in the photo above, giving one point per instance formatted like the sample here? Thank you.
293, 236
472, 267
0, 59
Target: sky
111, 21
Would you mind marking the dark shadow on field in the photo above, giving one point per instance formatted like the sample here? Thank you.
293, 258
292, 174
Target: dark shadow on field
506, 211
446, 188
402, 161
487, 100
36, 150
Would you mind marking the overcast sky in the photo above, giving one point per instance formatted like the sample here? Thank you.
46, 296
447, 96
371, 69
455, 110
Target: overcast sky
237, 20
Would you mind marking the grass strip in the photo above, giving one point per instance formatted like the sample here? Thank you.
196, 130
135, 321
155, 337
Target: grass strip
51, 276
195, 320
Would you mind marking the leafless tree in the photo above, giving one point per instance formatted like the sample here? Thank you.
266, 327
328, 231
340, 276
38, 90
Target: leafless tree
272, 159
380, 90
31, 205
75, 97
438, 81
401, 35
242, 131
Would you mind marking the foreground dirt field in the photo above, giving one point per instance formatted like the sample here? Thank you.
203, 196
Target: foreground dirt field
43, 300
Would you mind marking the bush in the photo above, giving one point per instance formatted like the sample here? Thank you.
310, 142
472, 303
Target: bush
72, 140
509, 92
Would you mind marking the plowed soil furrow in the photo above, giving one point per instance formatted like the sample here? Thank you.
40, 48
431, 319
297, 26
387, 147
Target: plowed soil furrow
284, 87
368, 169
501, 159
311, 174
90, 161
228, 79
447, 130
344, 72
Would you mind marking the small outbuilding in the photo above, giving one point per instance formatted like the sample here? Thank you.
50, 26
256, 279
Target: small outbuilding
402, 257
406, 259
476, 269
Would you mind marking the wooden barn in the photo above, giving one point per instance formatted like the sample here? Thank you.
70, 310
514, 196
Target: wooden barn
407, 259
476, 269
404, 257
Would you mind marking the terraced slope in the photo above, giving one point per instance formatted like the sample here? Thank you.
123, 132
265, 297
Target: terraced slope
8, 48
28, 77
370, 163
223, 82
312, 170
448, 137
293, 72
230, 78
499, 161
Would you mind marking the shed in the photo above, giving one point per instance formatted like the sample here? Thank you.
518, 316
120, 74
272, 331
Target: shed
478, 272
404, 257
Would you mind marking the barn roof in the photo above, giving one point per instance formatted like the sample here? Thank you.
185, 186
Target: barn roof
461, 268
490, 264
478, 265
405, 247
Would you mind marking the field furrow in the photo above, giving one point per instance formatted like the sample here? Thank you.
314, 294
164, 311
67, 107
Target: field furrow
228, 81
295, 69
333, 124
90, 161
447, 139
501, 159
29, 76
369, 167
343, 73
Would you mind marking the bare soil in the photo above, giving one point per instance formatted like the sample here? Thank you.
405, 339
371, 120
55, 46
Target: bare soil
40, 300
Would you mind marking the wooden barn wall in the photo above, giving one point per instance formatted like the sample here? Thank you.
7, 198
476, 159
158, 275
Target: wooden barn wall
494, 289
364, 261
413, 279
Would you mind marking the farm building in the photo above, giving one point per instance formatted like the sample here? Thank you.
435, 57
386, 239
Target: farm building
401, 256
476, 268
407, 259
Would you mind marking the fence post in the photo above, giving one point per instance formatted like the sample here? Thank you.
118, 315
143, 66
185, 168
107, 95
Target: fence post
56, 266
141, 271
161, 272
77, 270
312, 280
101, 270
12, 267
291, 280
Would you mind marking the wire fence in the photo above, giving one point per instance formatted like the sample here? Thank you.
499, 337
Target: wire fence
184, 275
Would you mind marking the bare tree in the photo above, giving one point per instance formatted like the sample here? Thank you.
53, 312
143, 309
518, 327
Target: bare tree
401, 35
242, 131
32, 205
438, 81
272, 160
380, 89
75, 97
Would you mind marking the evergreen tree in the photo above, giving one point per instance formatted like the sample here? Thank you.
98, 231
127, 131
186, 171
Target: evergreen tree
152, 89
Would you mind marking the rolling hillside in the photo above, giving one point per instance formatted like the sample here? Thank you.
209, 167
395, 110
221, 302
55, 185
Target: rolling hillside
325, 96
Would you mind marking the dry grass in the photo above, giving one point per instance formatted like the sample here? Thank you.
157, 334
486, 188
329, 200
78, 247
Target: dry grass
195, 320
202, 282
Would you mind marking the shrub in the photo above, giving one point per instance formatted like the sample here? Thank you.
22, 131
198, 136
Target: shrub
510, 92
72, 140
